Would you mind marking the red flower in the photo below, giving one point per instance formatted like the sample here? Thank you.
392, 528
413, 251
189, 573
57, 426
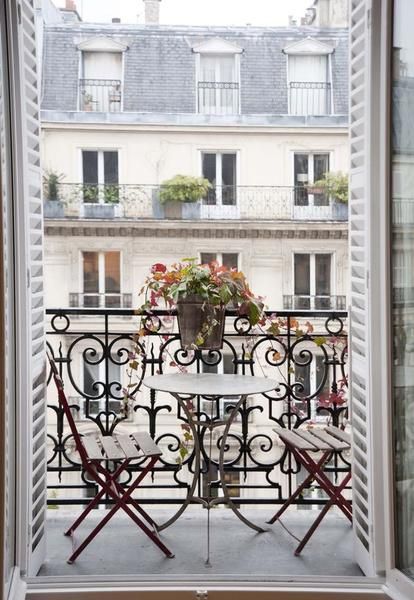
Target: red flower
158, 268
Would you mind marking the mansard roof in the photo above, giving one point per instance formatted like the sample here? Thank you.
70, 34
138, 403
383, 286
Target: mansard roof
160, 64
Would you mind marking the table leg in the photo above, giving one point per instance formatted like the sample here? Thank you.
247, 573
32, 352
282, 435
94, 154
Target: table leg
227, 498
190, 495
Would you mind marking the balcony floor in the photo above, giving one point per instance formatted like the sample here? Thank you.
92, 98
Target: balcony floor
237, 552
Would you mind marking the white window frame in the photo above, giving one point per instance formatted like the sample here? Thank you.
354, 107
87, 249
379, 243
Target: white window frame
237, 73
101, 271
312, 273
101, 170
219, 255
219, 153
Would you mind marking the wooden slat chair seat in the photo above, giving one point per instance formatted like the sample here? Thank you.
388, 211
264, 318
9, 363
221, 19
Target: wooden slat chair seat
328, 442
96, 452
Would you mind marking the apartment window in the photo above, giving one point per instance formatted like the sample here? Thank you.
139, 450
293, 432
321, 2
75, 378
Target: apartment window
100, 176
309, 85
218, 85
228, 259
308, 168
100, 85
312, 281
101, 279
220, 170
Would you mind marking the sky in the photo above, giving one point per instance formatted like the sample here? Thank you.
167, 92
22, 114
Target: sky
195, 12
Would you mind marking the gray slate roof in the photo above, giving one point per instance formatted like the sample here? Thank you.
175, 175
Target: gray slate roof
160, 72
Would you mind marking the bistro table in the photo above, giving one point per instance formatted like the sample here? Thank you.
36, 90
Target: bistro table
210, 386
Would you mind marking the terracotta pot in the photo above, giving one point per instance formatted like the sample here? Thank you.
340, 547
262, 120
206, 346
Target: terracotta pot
195, 318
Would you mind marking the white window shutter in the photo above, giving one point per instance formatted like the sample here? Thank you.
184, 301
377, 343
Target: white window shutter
361, 312
30, 287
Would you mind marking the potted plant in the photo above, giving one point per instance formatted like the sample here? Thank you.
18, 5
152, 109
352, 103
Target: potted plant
53, 206
87, 101
179, 196
201, 293
335, 185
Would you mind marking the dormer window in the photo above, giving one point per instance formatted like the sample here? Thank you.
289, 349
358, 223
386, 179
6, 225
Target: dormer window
100, 85
309, 78
218, 78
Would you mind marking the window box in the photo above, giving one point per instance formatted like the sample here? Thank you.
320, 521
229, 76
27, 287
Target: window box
53, 209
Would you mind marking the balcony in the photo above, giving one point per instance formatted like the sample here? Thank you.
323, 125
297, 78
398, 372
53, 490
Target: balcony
309, 98
251, 203
218, 98
320, 302
306, 351
100, 95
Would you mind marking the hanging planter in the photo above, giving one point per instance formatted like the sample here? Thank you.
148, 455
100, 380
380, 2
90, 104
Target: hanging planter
200, 323
200, 293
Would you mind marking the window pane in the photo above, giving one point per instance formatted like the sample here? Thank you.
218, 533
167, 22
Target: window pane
90, 166
301, 179
230, 260
320, 167
228, 176
302, 274
90, 272
323, 274
402, 251
112, 273
110, 167
207, 257
209, 172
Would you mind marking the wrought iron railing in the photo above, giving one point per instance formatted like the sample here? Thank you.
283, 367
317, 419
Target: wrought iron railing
305, 351
130, 201
100, 95
218, 97
318, 302
309, 98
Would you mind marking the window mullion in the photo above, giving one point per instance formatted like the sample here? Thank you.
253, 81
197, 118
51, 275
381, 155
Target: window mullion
101, 175
101, 279
312, 282
219, 177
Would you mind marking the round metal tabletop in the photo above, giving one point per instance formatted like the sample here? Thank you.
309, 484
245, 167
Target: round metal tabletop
210, 384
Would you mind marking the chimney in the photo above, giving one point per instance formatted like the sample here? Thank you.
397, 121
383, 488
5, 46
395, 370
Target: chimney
70, 5
152, 12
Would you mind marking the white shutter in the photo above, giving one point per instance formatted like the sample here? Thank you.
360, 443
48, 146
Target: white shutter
362, 215
29, 280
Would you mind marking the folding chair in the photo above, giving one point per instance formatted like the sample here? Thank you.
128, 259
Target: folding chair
328, 441
95, 451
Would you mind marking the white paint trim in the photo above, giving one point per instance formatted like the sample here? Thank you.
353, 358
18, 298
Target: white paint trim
273, 591
101, 43
308, 46
217, 46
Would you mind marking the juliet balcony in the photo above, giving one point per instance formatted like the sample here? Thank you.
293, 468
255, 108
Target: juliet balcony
100, 95
306, 352
226, 202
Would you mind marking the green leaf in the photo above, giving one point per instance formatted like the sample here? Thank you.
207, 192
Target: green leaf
320, 341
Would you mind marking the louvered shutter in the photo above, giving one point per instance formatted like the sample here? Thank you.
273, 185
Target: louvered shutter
30, 236
360, 300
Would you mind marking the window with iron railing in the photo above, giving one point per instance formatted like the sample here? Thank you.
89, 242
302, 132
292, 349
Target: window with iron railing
218, 86
100, 88
309, 86
101, 279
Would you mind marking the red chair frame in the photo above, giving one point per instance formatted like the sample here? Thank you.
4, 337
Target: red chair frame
300, 443
120, 451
